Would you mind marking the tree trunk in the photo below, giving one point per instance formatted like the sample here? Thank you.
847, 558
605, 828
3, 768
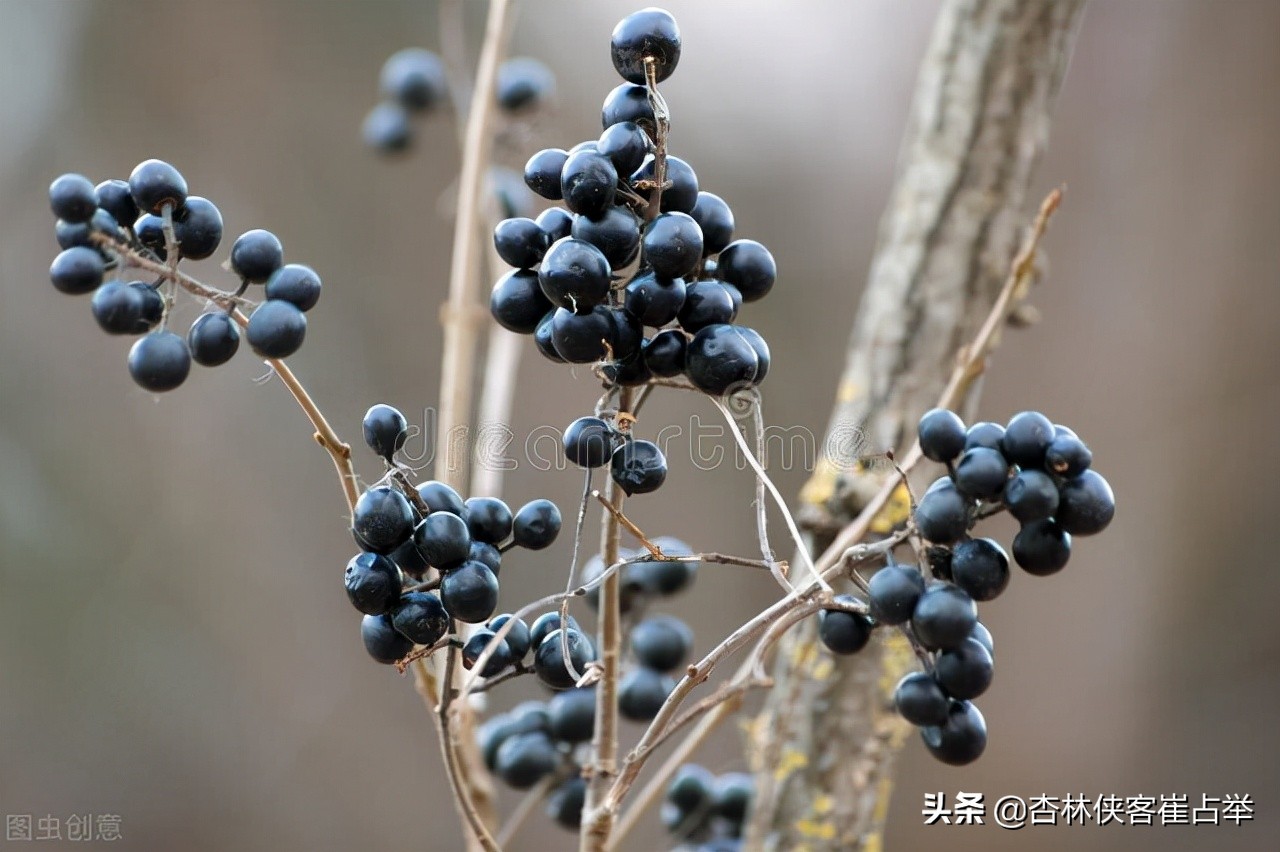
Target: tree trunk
827, 737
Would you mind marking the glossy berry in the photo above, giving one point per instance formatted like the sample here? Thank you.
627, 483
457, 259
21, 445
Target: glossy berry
545, 624
983, 637
648, 36
385, 430
681, 196
1086, 504
587, 182
575, 275
382, 641
716, 221
155, 183
582, 338
536, 525
985, 434
255, 255
960, 739
1067, 456
566, 802
556, 223
542, 172
616, 232
441, 498
117, 307
296, 283
518, 303
966, 670
980, 567
663, 576
720, 359
654, 300
517, 638
373, 583
406, 556
499, 660
443, 539
589, 442
1031, 496
628, 102
757, 343
276, 329
844, 632
470, 592
488, 554
551, 665
944, 616
920, 700
160, 361
152, 306
382, 520
198, 228
525, 759
664, 353
1042, 547
386, 128
488, 519
213, 339
661, 642
748, 266
69, 235
115, 198
626, 144
523, 83
638, 467
520, 242
893, 593
77, 270
943, 513
1026, 439
942, 435
414, 78
706, 303
73, 198
149, 229
692, 788
982, 473
642, 692
421, 617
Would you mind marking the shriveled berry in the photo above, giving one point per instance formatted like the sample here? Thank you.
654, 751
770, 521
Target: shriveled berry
373, 583
638, 467
420, 616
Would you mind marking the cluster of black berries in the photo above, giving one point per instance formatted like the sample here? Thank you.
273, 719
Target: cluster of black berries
691, 273
1040, 473
413, 83
403, 534
95, 221
706, 813
636, 465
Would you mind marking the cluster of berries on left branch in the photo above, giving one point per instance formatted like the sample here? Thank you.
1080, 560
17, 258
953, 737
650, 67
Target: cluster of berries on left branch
117, 225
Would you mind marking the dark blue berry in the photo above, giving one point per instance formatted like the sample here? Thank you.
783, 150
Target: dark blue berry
518, 303
654, 300
757, 342
982, 473
691, 789
73, 198
488, 519
385, 430
295, 283
276, 329
386, 128
520, 242
470, 592
566, 802
420, 616
545, 624
488, 554
716, 221
525, 759
626, 144
117, 307
1086, 505
77, 270
944, 616
893, 593
70, 235
198, 228
663, 576
966, 670
638, 467
573, 715
983, 636
733, 794
555, 222
748, 266
551, 664
213, 339
443, 539
642, 692
152, 306
517, 637
920, 700
373, 583
648, 35
149, 229
155, 183
499, 661
942, 515
587, 182
160, 361
681, 196
661, 642
589, 442
543, 339
1042, 547
410, 560
706, 303
582, 338
255, 255
980, 567
1067, 456
628, 102
115, 197
382, 641
1031, 496
985, 434
536, 525
415, 78
961, 738
616, 232
1026, 439
844, 632
382, 520
575, 275
942, 435
664, 353
441, 498
524, 83
542, 172
721, 359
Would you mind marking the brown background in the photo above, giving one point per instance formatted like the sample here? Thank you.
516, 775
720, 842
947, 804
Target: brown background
174, 644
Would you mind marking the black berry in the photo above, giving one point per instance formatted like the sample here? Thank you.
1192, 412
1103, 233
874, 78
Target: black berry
520, 242
638, 467
1086, 504
276, 329
716, 221
961, 738
1026, 439
1031, 496
920, 700
382, 519
706, 303
1042, 547
589, 442
542, 172
661, 642
488, 519
386, 128
720, 359
382, 641
642, 692
748, 266
295, 283
553, 667
980, 567
982, 473
664, 353
942, 435
213, 339
841, 631
648, 36
499, 660
198, 228
160, 361
966, 670
73, 198
587, 182
117, 307
77, 270
944, 616
256, 254
616, 232
626, 144
943, 513
420, 616
575, 275
155, 183
373, 583
470, 592
893, 593
414, 78
536, 525
385, 430
443, 539
524, 83
628, 102
115, 197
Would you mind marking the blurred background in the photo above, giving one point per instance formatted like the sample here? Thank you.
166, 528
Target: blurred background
175, 647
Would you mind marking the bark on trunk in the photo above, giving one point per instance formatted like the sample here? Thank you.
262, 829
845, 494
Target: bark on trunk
827, 736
